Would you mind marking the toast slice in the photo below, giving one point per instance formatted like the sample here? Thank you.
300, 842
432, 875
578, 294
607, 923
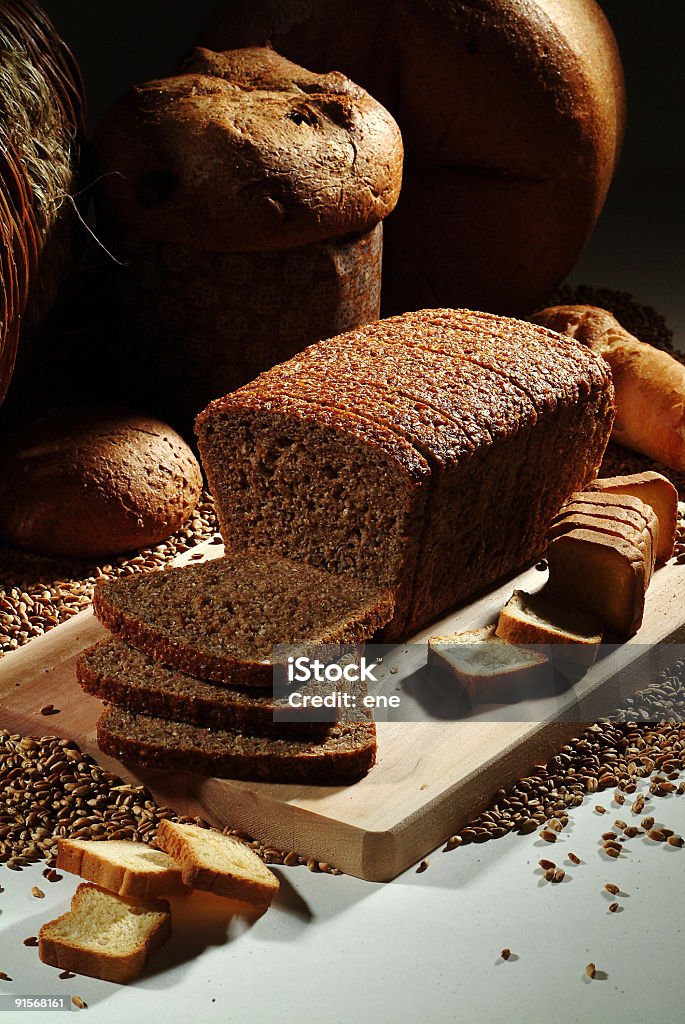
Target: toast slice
217, 863
653, 489
342, 755
601, 574
220, 620
489, 668
121, 866
540, 619
104, 935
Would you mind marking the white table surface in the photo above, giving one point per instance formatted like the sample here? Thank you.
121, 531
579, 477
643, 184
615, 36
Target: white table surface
425, 947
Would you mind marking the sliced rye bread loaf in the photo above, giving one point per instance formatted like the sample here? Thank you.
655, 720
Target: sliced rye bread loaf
121, 675
220, 620
345, 754
286, 453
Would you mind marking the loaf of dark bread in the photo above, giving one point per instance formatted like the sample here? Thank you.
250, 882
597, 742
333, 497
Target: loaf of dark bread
512, 116
426, 453
246, 197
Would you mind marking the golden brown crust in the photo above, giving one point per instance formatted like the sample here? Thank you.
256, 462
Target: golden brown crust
246, 151
650, 383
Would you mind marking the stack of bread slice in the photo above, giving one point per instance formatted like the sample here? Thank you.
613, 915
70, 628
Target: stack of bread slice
604, 545
188, 671
121, 918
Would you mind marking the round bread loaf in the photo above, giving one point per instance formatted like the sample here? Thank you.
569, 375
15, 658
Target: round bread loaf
245, 151
512, 115
245, 198
84, 482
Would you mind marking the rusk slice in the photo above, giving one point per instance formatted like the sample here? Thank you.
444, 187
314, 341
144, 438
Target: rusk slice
121, 866
343, 754
220, 620
540, 619
104, 935
602, 574
217, 863
614, 526
491, 669
653, 489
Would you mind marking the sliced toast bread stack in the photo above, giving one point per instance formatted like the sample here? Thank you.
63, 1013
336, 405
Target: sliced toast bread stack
120, 919
605, 543
188, 670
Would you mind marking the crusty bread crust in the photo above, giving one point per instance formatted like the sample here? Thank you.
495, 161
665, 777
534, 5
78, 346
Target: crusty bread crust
248, 152
108, 966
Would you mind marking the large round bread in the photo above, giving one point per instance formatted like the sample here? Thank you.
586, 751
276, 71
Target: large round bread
511, 113
84, 482
246, 151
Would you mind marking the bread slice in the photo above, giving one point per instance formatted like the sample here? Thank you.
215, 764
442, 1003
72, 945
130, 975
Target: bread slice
612, 526
602, 574
653, 489
104, 935
220, 620
490, 668
217, 863
121, 866
624, 508
540, 619
342, 755
121, 675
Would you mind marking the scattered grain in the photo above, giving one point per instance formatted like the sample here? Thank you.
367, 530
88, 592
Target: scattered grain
79, 1003
590, 970
505, 954
675, 841
657, 835
32, 940
38, 893
613, 907
574, 858
422, 867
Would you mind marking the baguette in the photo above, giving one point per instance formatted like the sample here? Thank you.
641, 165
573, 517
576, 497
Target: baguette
649, 383
104, 935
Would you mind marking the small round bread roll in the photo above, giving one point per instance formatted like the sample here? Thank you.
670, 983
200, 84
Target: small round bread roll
88, 481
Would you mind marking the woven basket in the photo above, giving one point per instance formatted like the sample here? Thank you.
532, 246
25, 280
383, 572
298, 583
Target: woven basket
41, 125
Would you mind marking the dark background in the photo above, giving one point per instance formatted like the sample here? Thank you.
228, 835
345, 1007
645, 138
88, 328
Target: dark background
637, 246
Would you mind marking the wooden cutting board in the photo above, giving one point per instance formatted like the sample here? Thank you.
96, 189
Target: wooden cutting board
431, 776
